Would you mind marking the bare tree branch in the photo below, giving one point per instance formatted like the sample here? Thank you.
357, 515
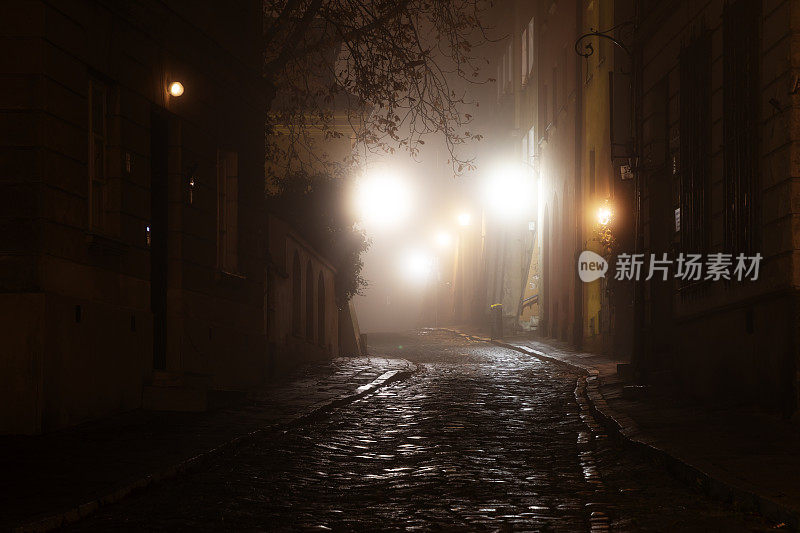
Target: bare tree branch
394, 70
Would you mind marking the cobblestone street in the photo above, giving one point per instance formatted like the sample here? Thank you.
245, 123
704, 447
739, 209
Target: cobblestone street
480, 438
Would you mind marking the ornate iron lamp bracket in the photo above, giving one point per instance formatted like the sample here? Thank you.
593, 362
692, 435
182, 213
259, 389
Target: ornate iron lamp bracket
586, 50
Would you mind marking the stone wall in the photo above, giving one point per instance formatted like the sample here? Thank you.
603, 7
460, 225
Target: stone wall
731, 339
303, 318
81, 276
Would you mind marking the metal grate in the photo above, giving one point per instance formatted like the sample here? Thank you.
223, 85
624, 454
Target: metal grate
741, 95
695, 125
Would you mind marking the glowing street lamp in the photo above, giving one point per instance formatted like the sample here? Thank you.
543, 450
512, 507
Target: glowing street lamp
443, 239
510, 192
417, 266
604, 215
175, 88
383, 199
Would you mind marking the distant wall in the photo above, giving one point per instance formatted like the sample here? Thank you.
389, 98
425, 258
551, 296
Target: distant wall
295, 305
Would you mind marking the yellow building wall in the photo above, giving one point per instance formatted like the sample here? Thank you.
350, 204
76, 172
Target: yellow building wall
595, 136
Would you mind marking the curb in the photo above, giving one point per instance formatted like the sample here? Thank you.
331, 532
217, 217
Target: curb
314, 412
626, 429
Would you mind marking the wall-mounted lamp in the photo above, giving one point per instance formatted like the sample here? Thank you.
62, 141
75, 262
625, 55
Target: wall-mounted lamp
175, 88
604, 215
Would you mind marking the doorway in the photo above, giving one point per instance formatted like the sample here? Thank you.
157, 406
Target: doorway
159, 138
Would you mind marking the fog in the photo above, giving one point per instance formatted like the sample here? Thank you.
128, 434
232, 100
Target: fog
395, 298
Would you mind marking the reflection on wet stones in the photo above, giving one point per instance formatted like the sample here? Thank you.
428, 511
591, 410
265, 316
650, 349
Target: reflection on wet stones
482, 438
465, 445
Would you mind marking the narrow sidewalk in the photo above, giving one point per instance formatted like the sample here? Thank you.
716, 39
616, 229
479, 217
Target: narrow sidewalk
743, 456
62, 476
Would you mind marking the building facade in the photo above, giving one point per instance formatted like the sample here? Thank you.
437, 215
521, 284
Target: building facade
133, 255
669, 128
718, 137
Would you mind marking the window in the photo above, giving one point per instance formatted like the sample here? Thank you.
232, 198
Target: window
510, 67
98, 144
309, 301
297, 313
321, 309
741, 184
544, 116
227, 211
524, 56
503, 77
531, 145
505, 72
530, 46
555, 95
695, 138
523, 153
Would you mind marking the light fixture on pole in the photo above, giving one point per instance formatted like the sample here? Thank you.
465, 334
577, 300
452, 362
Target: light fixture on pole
510, 192
417, 266
383, 198
443, 239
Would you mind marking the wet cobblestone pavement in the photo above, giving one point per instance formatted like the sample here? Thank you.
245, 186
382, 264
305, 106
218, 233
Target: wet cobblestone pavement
481, 438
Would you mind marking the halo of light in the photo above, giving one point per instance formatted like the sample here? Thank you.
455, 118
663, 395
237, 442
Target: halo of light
383, 199
417, 266
443, 239
604, 215
175, 88
510, 192
464, 219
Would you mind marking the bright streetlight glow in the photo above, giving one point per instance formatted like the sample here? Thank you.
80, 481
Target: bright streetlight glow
464, 219
604, 215
383, 199
176, 88
510, 192
417, 266
443, 239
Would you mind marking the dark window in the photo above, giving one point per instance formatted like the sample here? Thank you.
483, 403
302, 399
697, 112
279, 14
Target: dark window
297, 314
695, 124
309, 302
321, 309
98, 144
741, 185
227, 210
